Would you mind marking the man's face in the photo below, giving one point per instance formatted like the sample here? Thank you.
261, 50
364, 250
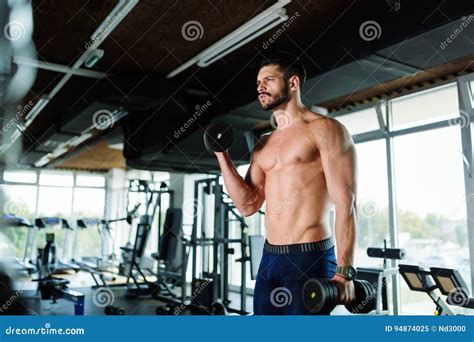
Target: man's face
273, 90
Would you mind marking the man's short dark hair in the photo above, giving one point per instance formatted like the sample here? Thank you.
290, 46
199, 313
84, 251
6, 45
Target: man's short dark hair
288, 64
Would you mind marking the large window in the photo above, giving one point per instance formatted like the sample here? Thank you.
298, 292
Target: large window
54, 201
19, 200
426, 107
372, 203
431, 205
69, 195
427, 181
361, 121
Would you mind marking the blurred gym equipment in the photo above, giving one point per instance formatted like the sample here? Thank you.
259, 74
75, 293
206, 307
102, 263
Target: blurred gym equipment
50, 224
54, 288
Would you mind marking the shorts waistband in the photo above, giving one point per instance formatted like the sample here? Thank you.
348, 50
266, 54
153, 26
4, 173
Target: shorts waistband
318, 246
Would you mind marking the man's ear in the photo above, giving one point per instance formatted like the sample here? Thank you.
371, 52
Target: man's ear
294, 82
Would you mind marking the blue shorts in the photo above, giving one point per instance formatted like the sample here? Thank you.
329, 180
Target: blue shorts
283, 271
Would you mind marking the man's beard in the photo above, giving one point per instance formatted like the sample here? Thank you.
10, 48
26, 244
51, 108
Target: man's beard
281, 98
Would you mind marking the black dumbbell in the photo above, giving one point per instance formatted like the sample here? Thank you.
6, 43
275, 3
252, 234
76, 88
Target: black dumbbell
111, 310
218, 136
320, 297
218, 309
365, 298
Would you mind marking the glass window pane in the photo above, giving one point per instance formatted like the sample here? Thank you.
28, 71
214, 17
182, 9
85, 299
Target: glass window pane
425, 107
20, 200
20, 176
54, 201
431, 206
57, 179
372, 204
89, 202
90, 180
361, 121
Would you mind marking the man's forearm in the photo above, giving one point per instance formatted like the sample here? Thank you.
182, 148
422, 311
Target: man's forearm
345, 236
239, 190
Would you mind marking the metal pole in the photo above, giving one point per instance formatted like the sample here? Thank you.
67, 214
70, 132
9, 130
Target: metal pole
466, 113
224, 250
159, 236
243, 280
218, 223
392, 213
194, 232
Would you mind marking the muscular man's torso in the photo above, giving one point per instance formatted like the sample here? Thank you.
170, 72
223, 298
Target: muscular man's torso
297, 200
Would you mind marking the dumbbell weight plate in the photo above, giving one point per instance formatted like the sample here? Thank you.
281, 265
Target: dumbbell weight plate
332, 297
319, 296
109, 309
218, 136
365, 300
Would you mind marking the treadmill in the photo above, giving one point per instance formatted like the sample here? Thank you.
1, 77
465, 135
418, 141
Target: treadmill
61, 265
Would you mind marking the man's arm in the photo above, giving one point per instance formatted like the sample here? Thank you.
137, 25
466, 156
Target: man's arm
339, 162
247, 194
338, 158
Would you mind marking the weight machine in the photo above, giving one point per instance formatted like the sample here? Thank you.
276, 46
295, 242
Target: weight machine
51, 287
132, 265
216, 243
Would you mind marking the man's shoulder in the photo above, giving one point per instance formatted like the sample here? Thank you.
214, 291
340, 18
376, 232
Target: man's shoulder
324, 123
329, 130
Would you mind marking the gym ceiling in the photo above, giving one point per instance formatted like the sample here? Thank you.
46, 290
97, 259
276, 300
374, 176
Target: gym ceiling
342, 70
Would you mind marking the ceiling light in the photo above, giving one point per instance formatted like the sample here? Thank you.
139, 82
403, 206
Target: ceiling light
255, 27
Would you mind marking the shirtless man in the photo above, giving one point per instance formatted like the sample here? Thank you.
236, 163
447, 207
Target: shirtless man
305, 164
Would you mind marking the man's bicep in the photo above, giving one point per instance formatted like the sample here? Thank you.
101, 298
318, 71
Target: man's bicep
255, 176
